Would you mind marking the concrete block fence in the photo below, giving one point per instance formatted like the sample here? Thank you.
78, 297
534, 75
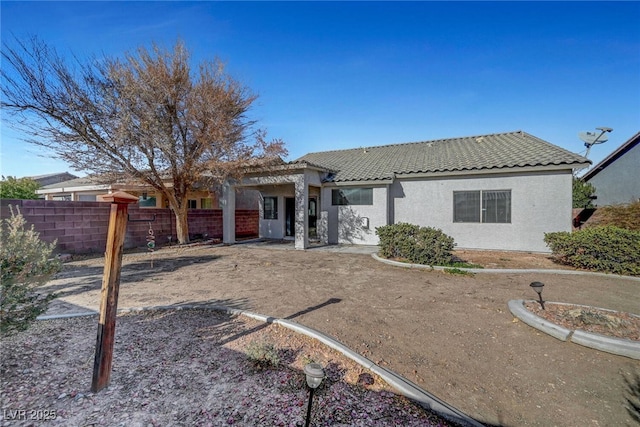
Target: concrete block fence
81, 227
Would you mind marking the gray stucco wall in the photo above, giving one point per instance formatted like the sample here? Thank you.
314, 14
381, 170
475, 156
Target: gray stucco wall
619, 182
540, 202
347, 224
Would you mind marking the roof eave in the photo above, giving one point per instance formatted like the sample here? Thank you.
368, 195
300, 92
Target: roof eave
497, 170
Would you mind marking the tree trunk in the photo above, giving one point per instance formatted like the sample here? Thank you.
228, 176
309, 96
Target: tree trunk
182, 226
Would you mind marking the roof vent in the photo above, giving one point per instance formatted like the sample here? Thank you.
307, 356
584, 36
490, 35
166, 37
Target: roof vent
480, 139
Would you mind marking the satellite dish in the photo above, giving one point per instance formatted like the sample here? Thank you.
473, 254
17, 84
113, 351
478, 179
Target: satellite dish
591, 138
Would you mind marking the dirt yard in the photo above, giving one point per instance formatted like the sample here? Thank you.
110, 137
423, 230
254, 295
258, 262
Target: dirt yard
453, 335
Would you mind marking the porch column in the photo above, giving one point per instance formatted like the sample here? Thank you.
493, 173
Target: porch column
302, 215
228, 214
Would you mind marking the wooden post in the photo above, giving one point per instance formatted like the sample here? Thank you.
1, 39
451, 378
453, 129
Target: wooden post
110, 286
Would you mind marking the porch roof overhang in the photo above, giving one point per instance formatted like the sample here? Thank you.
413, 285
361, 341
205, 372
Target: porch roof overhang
291, 167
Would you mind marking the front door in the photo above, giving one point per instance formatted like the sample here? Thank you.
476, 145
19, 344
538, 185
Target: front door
290, 216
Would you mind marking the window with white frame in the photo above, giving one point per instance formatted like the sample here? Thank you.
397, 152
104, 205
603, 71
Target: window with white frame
486, 206
270, 208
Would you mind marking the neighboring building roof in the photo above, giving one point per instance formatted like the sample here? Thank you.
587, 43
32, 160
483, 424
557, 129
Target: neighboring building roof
473, 153
632, 142
73, 183
52, 178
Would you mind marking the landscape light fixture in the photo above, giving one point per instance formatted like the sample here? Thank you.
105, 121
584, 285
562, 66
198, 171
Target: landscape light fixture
315, 375
537, 286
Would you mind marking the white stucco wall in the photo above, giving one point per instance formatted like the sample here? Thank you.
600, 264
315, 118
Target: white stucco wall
619, 182
540, 202
346, 223
300, 186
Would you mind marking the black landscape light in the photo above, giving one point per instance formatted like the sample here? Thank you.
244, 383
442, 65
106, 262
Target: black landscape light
537, 286
315, 374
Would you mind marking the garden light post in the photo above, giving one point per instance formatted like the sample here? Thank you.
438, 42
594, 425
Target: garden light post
314, 374
537, 286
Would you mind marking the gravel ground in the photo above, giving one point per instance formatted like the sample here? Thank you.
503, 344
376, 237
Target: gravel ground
188, 368
452, 335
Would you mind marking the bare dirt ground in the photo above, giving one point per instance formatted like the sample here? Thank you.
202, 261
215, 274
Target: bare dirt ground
452, 335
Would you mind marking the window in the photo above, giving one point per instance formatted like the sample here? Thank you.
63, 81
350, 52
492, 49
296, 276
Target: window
482, 206
270, 208
192, 204
466, 206
352, 196
496, 206
145, 201
206, 203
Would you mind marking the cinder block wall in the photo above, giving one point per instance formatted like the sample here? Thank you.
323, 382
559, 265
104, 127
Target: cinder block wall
81, 227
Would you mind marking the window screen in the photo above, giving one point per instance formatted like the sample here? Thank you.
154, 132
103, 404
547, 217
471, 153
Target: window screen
466, 206
496, 206
489, 206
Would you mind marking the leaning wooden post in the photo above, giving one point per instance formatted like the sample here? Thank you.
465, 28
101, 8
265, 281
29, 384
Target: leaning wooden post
110, 285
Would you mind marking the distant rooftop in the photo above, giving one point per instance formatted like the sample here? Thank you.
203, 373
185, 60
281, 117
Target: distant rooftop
52, 178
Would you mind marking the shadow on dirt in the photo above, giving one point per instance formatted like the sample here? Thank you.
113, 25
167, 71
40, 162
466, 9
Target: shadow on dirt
632, 396
78, 280
271, 319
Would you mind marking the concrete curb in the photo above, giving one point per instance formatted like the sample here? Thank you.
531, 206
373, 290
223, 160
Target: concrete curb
501, 270
402, 385
618, 346
518, 310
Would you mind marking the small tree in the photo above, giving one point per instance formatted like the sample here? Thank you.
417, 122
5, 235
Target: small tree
22, 188
25, 265
145, 118
583, 193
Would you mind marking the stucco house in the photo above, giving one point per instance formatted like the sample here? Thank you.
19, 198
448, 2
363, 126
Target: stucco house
616, 177
500, 191
86, 189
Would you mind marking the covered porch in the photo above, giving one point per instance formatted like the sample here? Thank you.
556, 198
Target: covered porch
289, 206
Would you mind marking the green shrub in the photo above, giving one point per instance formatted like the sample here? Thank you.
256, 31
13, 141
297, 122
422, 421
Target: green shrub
263, 354
606, 248
25, 265
418, 245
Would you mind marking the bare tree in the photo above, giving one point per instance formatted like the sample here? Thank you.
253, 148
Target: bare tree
144, 118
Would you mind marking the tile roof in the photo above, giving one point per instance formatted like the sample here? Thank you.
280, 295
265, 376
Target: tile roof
471, 153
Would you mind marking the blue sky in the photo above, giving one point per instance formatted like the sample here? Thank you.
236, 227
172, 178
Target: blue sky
335, 75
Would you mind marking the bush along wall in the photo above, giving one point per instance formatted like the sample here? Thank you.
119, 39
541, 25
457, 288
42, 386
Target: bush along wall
607, 249
415, 244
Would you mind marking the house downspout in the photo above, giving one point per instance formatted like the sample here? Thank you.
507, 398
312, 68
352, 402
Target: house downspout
390, 206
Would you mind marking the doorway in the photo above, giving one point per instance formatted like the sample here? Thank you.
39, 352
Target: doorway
289, 216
